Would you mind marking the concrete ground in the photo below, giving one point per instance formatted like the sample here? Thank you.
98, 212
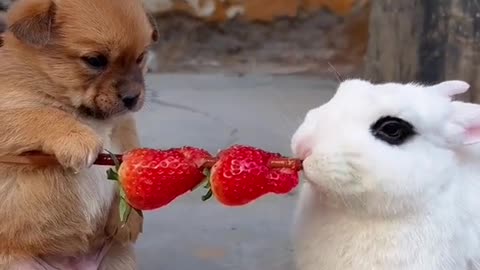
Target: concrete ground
213, 112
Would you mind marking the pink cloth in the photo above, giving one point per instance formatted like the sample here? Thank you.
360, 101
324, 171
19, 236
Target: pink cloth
89, 261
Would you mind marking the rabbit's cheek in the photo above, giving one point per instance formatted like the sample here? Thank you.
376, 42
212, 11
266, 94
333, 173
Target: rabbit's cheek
330, 171
312, 170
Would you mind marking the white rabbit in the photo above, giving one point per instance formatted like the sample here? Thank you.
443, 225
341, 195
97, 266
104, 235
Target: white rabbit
392, 180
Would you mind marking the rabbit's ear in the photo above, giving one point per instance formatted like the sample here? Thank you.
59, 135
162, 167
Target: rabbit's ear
450, 88
467, 115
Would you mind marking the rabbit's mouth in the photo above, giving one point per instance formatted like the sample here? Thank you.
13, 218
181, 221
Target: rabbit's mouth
336, 172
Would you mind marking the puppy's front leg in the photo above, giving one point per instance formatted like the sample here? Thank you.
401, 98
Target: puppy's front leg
125, 137
124, 134
51, 131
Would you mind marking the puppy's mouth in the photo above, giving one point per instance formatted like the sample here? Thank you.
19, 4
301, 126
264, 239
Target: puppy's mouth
91, 113
99, 114
106, 105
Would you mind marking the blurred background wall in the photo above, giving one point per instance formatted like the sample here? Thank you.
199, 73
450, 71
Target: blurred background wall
381, 40
267, 36
281, 36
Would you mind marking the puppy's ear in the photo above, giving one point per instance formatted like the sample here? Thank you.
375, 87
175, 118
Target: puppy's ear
152, 21
31, 21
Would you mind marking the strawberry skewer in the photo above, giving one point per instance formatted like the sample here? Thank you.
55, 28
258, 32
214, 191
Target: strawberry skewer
108, 160
280, 162
149, 179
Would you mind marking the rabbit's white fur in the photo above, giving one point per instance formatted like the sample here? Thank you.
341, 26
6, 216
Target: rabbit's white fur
368, 205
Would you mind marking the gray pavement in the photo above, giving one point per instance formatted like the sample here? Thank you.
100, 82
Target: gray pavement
213, 112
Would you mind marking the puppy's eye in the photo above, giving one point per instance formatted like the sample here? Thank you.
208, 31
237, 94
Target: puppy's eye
96, 62
392, 130
140, 58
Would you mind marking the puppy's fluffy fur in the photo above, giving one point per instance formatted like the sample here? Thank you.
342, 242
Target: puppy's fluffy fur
71, 75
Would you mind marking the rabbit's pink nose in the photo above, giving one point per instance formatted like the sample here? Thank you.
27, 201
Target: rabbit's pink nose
303, 149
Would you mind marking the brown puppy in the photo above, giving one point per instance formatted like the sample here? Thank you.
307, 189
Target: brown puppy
71, 74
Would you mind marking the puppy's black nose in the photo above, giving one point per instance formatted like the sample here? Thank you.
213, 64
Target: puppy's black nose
130, 101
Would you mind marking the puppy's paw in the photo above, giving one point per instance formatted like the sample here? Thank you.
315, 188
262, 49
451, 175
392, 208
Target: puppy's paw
77, 149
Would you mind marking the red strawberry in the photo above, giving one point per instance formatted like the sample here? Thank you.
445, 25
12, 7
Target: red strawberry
150, 179
243, 174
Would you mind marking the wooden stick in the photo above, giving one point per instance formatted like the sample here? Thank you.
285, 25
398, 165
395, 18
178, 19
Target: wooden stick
106, 160
29, 159
44, 159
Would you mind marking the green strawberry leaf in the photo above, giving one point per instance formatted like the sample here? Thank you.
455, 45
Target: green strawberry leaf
208, 195
125, 210
122, 193
208, 185
112, 175
207, 173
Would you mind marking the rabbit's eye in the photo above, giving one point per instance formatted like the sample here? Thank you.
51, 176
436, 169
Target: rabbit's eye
392, 130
